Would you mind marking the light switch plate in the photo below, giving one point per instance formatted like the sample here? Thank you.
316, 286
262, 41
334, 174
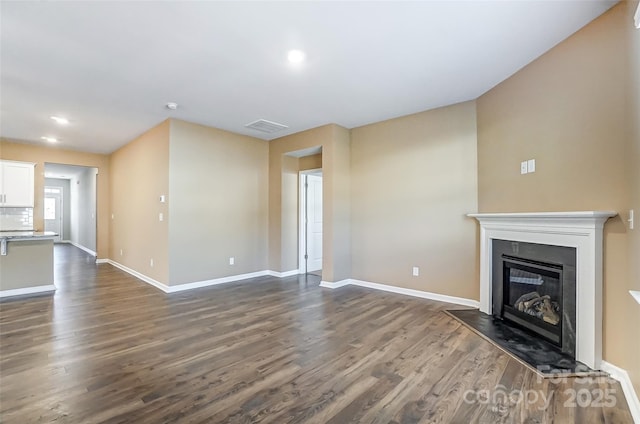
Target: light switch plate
531, 165
523, 167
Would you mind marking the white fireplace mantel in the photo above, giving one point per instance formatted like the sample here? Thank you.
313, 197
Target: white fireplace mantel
580, 230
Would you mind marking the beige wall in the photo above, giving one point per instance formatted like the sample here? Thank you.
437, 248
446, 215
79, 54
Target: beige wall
413, 181
282, 249
395, 192
336, 191
633, 38
310, 162
140, 174
290, 212
568, 110
218, 205
290, 206
10, 150
335, 143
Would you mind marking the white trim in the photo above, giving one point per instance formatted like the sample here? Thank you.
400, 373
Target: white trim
401, 290
102, 261
418, 293
302, 231
197, 284
28, 290
337, 284
138, 275
282, 274
215, 281
630, 394
302, 205
580, 218
79, 246
580, 230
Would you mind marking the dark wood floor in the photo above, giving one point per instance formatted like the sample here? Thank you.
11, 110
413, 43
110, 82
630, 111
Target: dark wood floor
109, 348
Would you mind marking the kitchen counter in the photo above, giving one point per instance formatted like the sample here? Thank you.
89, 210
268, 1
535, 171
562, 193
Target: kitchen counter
10, 235
21, 236
26, 262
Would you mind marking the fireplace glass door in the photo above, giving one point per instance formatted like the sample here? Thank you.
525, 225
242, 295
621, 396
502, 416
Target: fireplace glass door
532, 296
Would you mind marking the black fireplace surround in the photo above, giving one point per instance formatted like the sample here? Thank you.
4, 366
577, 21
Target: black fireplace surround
534, 287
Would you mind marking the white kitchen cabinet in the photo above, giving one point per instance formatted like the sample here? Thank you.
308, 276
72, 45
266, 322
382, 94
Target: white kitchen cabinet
16, 184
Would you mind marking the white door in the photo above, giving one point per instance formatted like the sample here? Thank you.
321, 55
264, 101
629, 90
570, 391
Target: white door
314, 222
53, 211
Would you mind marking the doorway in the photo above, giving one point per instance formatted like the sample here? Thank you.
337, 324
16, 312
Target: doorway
53, 211
310, 222
72, 205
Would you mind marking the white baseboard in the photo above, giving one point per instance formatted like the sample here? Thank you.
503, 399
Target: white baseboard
283, 274
196, 284
401, 290
215, 281
138, 275
28, 290
79, 246
630, 394
337, 284
102, 261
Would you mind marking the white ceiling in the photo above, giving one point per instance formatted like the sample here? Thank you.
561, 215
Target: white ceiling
111, 66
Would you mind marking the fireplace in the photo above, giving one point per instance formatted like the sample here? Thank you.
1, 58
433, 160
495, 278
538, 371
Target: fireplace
581, 232
532, 297
534, 288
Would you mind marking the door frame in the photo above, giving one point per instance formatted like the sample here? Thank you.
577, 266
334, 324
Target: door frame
60, 196
302, 215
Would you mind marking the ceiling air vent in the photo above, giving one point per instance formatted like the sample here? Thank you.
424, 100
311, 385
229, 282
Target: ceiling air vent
266, 126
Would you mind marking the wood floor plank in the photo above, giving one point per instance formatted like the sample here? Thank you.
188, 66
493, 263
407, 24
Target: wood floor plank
108, 348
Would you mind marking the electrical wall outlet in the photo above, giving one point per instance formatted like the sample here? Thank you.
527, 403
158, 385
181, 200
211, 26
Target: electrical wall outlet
121, 252
630, 220
151, 263
232, 260
416, 271
531, 165
161, 217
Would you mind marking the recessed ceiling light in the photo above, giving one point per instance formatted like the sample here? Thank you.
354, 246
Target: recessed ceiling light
50, 139
172, 106
59, 120
296, 56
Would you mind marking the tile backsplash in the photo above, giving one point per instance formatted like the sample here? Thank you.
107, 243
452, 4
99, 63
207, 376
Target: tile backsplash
12, 219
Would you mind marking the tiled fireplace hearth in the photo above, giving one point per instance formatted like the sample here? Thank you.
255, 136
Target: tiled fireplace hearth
581, 231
